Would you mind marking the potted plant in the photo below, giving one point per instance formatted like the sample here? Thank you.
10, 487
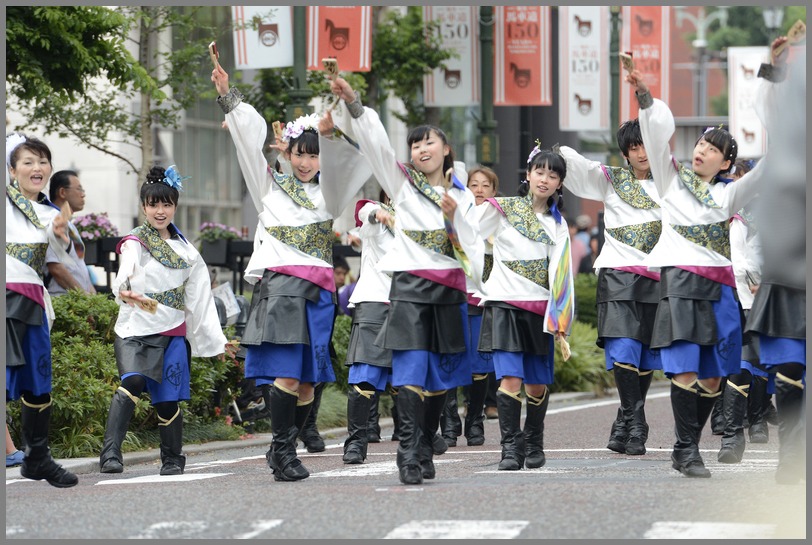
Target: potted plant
214, 239
99, 236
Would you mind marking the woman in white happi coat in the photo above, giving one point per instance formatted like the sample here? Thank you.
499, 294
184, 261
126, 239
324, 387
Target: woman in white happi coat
427, 321
628, 293
33, 225
166, 316
698, 324
528, 301
288, 331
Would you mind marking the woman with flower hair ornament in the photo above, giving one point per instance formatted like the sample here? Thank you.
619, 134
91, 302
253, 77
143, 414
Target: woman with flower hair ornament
528, 302
166, 316
697, 326
436, 247
289, 325
33, 225
627, 293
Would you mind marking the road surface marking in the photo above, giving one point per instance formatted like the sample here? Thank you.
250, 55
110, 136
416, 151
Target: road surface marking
163, 478
603, 403
458, 529
173, 529
259, 527
709, 530
370, 469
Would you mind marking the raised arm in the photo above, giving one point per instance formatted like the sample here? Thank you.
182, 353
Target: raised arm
344, 171
586, 179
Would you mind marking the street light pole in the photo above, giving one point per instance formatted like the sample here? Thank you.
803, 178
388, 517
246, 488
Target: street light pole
701, 22
487, 140
301, 93
772, 20
614, 106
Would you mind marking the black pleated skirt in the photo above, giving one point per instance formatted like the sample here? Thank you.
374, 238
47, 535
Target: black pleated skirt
505, 327
778, 311
367, 321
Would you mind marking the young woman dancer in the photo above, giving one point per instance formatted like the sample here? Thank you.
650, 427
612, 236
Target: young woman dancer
32, 226
370, 365
293, 306
697, 326
528, 302
166, 316
628, 292
426, 324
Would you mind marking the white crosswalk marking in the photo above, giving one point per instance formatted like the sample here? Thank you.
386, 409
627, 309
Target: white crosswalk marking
259, 527
163, 478
458, 529
370, 469
709, 530
173, 529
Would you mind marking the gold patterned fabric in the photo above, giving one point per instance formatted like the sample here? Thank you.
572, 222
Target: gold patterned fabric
294, 189
488, 267
421, 183
436, 240
158, 247
31, 254
713, 236
535, 270
23, 204
642, 236
174, 298
698, 187
519, 212
314, 239
629, 189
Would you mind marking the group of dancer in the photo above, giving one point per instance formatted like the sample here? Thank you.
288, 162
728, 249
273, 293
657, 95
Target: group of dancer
454, 284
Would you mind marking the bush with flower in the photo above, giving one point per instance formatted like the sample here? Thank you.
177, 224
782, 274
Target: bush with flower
211, 232
95, 226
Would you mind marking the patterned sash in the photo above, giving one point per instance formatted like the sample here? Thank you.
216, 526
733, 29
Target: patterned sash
642, 236
629, 188
421, 183
158, 247
519, 212
713, 236
31, 254
435, 240
294, 188
314, 239
693, 183
174, 298
23, 204
535, 270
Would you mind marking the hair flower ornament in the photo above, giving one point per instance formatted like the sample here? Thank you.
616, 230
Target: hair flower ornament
294, 129
173, 179
12, 141
535, 151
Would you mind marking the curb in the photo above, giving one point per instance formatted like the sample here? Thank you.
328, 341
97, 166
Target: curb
91, 465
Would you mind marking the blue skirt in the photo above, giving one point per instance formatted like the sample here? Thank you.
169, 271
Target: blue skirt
373, 374
35, 375
308, 363
175, 378
481, 362
531, 368
778, 350
625, 350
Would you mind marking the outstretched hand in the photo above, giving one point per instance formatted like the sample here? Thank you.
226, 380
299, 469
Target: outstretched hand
220, 79
326, 124
635, 79
342, 89
449, 206
780, 58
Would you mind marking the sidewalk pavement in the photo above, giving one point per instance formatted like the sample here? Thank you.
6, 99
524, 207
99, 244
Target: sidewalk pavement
261, 441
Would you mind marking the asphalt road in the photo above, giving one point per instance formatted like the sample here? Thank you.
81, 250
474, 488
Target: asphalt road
584, 491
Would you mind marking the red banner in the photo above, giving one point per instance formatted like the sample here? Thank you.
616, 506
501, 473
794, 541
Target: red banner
646, 31
340, 32
522, 58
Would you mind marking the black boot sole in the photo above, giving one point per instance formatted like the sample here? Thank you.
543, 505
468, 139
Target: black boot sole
111, 466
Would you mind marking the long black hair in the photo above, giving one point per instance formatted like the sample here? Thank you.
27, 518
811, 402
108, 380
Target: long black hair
555, 162
724, 142
154, 190
307, 142
420, 133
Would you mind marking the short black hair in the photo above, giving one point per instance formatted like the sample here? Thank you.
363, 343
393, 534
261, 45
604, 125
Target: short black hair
629, 135
154, 190
35, 146
58, 181
421, 132
307, 142
722, 140
340, 263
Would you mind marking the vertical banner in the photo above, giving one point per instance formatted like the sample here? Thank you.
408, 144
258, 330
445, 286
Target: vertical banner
522, 66
341, 32
584, 74
270, 45
646, 33
745, 126
458, 83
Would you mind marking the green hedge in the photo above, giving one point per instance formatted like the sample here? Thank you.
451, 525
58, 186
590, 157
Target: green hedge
586, 293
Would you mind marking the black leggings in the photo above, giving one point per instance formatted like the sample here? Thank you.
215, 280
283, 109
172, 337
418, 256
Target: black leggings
136, 384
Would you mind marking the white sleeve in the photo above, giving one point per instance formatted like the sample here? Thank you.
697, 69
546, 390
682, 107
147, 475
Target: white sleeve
248, 130
657, 127
375, 146
203, 329
585, 179
344, 171
127, 262
489, 218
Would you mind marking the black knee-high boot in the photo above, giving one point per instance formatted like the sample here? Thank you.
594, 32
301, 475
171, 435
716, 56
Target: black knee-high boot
282, 457
173, 461
627, 379
358, 404
433, 402
734, 406
38, 463
759, 432
373, 424
645, 378
309, 432
393, 394
510, 420
717, 414
475, 416
685, 457
450, 424
789, 400
534, 430
411, 415
122, 407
